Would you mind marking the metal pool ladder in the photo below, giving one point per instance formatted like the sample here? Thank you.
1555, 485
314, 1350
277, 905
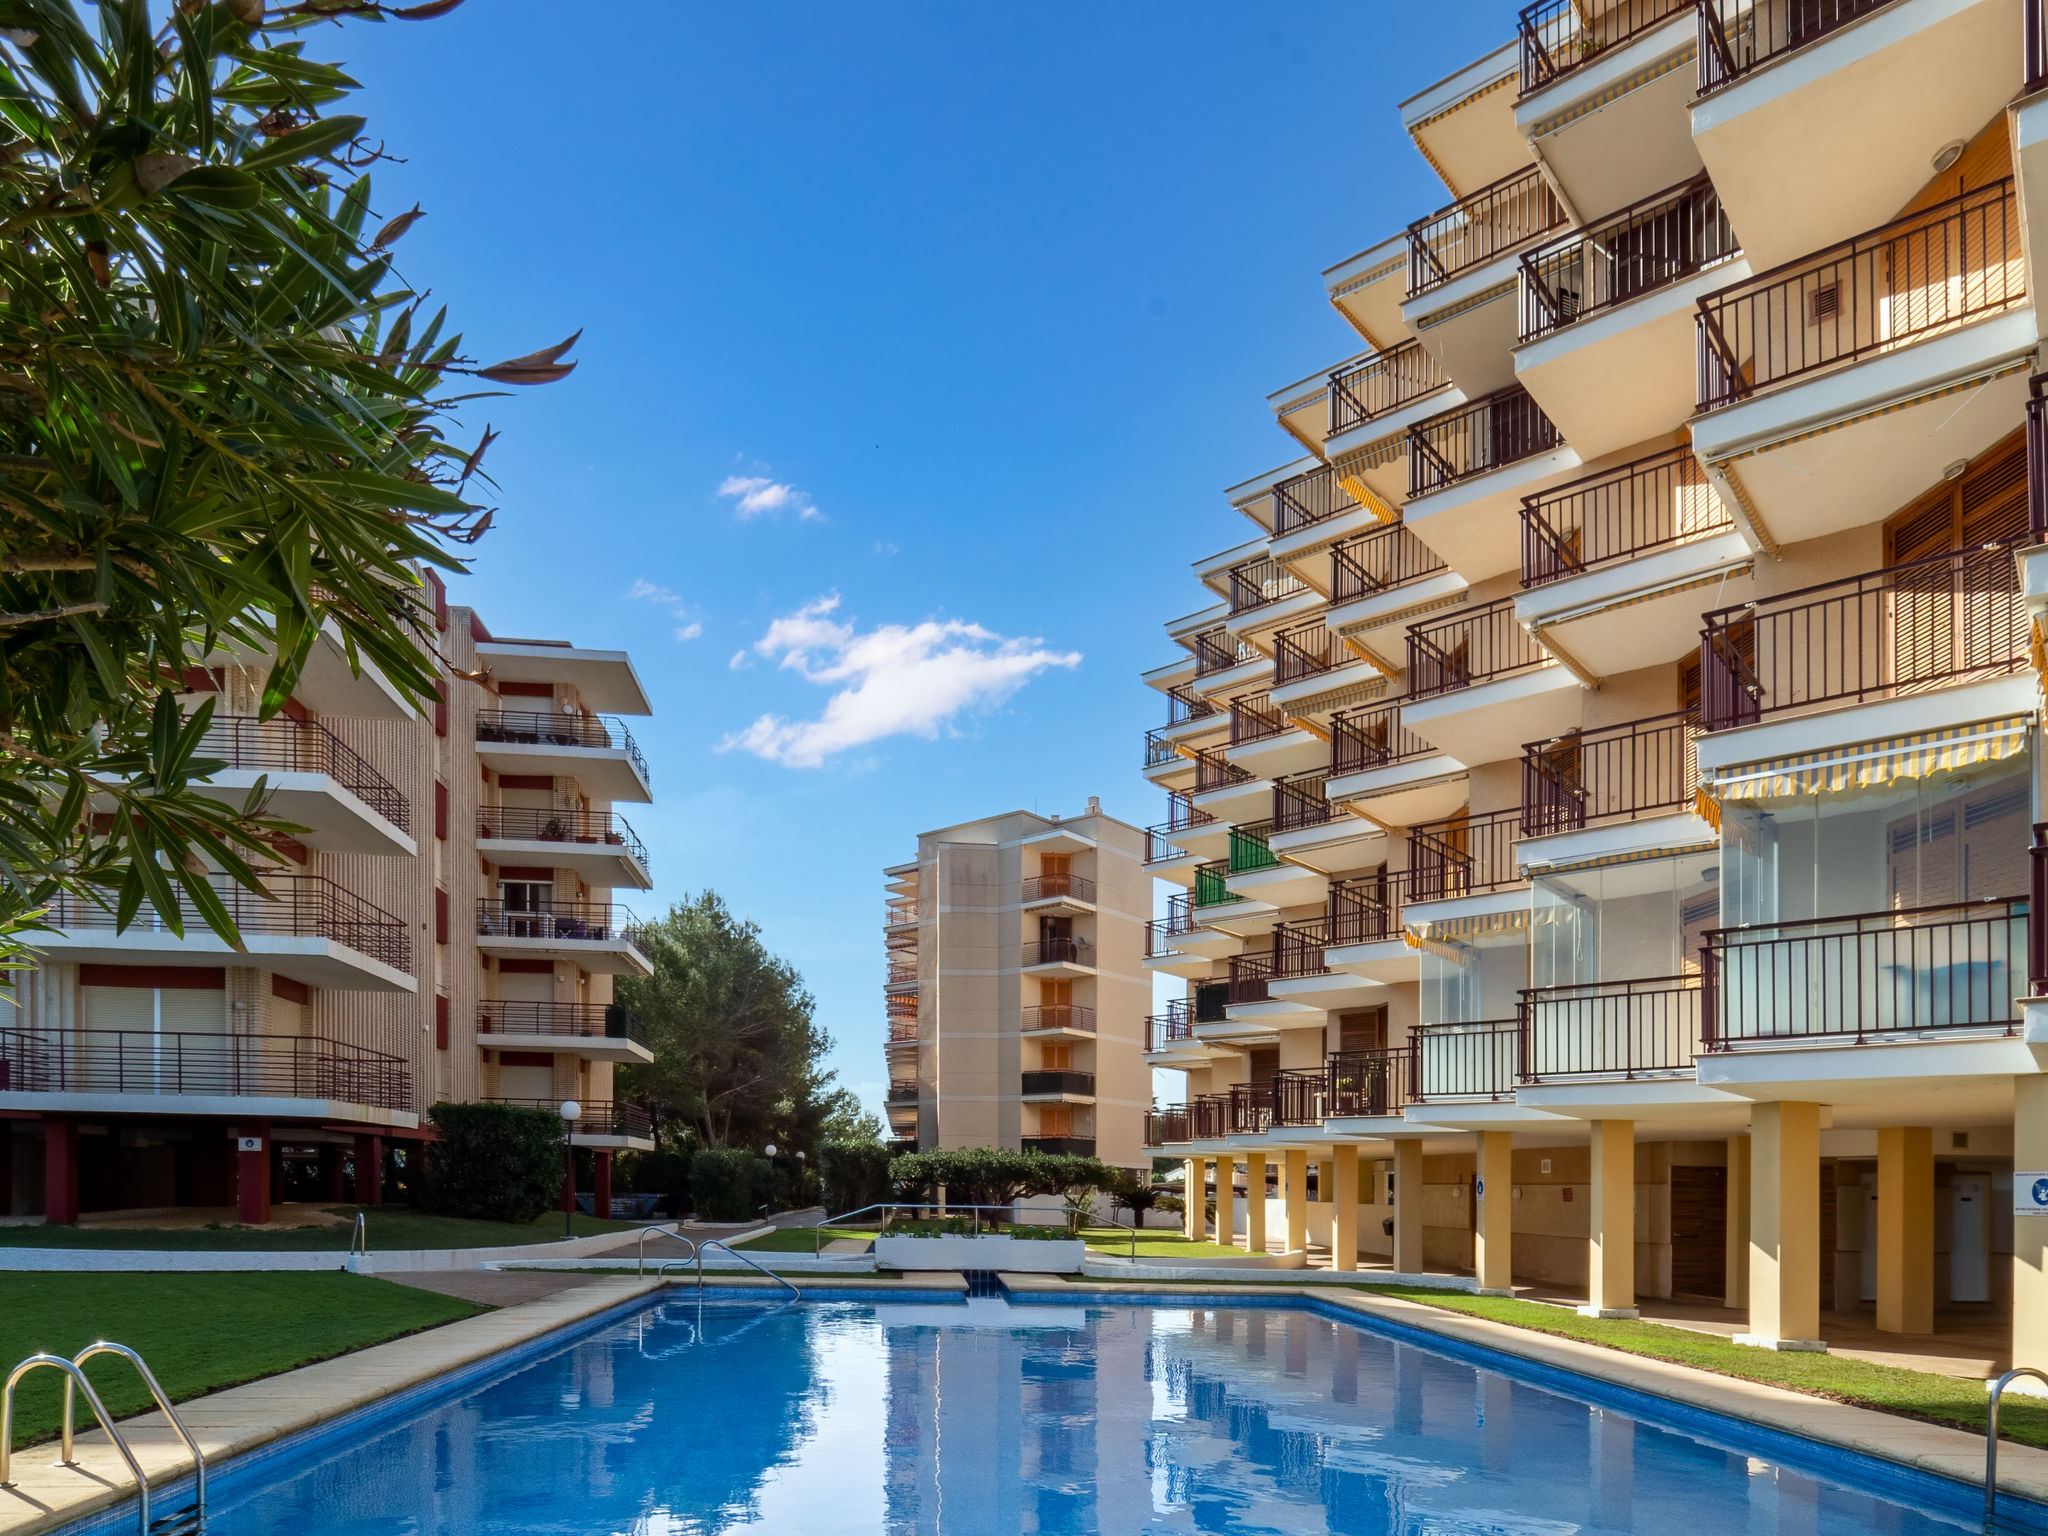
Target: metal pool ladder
706, 1246
1991, 1436
189, 1519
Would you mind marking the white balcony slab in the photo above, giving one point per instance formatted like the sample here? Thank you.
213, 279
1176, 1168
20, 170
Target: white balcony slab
604, 680
215, 1105
1174, 673
1471, 323
1465, 123
1490, 721
318, 962
1210, 840
1312, 695
1180, 869
1177, 963
1210, 943
1277, 1014
1381, 620
1331, 992
1244, 677
1343, 845
1486, 1115
1418, 914
1284, 885
1629, 615
335, 819
1667, 1107
1942, 1078
1616, 842
597, 1047
616, 956
1401, 794
1294, 611
1476, 524
1299, 548
1271, 757
1368, 288
605, 865
1848, 725
1247, 801
1213, 571
328, 684
1385, 961
1188, 625
1233, 1032
1244, 918
1391, 428
606, 773
1303, 408
1173, 773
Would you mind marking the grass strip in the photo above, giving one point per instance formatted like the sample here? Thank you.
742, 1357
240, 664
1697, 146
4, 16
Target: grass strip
390, 1229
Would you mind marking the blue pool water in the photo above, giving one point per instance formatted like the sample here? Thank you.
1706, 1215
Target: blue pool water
988, 1419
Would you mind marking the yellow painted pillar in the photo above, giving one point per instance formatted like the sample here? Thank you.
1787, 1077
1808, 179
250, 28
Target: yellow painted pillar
1255, 1202
1326, 1178
1226, 1201
1343, 1192
1611, 1275
1491, 1258
1408, 1205
1905, 1229
1294, 1178
1194, 1220
1735, 1282
2029, 1230
1784, 1227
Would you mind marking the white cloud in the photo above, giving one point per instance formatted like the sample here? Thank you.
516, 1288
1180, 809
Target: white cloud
643, 588
686, 628
757, 494
689, 631
893, 680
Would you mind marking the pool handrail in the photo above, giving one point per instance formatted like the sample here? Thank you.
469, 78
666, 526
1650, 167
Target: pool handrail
1991, 1435
163, 1403
640, 1247
99, 1409
359, 1237
710, 1243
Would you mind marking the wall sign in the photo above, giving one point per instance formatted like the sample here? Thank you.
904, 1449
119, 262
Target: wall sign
2029, 1193
255, 1144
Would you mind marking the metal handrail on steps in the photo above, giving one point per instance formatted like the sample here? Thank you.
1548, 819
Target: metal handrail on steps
640, 1248
1991, 1436
71, 1374
359, 1238
710, 1243
163, 1402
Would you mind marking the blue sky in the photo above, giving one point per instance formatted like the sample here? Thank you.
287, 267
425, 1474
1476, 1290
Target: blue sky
919, 343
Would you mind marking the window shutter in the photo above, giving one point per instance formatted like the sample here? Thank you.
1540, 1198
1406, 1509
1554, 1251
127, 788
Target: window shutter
440, 916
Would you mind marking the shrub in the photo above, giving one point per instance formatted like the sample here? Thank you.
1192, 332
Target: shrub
856, 1174
730, 1183
663, 1173
497, 1162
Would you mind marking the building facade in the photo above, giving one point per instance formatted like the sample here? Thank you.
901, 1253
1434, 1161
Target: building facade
1016, 988
1600, 780
442, 929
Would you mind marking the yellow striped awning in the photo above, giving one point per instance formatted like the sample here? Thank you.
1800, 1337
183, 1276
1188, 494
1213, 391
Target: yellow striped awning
1870, 764
1478, 926
1632, 856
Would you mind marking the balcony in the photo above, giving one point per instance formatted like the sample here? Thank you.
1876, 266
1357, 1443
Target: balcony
1372, 392
1187, 836
902, 1093
1301, 971
1608, 312
1059, 957
1060, 1146
304, 927
1264, 742
599, 937
1479, 684
1058, 893
1367, 289
1464, 856
1312, 511
1312, 665
1480, 1060
1469, 469
1166, 1125
1057, 1019
595, 750
593, 1031
1378, 581
1059, 1086
1223, 663
1171, 1032
1363, 934
1399, 777
1636, 771
598, 845
314, 779
1310, 831
1844, 138
602, 679
1223, 790
605, 1124
1261, 583
898, 915
1461, 255
118, 1071
1559, 38
1257, 873
1613, 1029
1369, 1085
1297, 1097
902, 974
1248, 1108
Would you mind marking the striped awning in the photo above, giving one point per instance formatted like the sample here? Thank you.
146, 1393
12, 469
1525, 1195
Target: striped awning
1464, 929
1871, 764
1363, 494
1632, 856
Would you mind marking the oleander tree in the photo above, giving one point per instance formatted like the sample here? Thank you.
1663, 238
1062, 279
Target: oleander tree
225, 424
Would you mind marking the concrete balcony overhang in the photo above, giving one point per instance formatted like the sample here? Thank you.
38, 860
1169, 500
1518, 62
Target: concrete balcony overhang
209, 1105
1172, 674
1213, 571
1490, 721
316, 961
1849, 725
335, 818
1367, 289
1674, 1107
1054, 969
1330, 992
606, 865
1384, 960
606, 773
602, 1143
1179, 869
1298, 548
1342, 845
1475, 525
1289, 612
1188, 967
1183, 629
1276, 1014
616, 956
1284, 885
1615, 129
1272, 757
1254, 497
1247, 800
1381, 620
1622, 617
1465, 123
1840, 449
1959, 1076
595, 1047
1485, 1115
1209, 943
1061, 1096
604, 680
1240, 919
1317, 694
1626, 374
1385, 1128
1210, 840
1175, 773
1245, 677
902, 1047
1227, 1031
1616, 842
1402, 794
1837, 136
1303, 408
1470, 324
1048, 906
328, 684
1180, 1055
1391, 427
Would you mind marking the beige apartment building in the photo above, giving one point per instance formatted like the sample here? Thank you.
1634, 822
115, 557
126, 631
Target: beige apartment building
1603, 765
443, 929
1016, 987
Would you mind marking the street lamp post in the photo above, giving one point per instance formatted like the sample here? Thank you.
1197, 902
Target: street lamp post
571, 1113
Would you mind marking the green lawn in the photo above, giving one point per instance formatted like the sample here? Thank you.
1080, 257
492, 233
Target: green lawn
1161, 1243
198, 1332
390, 1228
797, 1239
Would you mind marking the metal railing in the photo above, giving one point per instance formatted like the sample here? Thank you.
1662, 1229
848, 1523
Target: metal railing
1298, 1096
73, 1373
585, 922
1738, 35
1901, 630
1212, 884
1613, 515
1217, 652
1372, 738
1052, 887
1369, 1083
1253, 718
1468, 646
531, 824
1250, 1108
1480, 1060
575, 1021
1250, 977
1208, 1116
1365, 910
1299, 801
1381, 561
1384, 382
1059, 952
1491, 222
1308, 653
1215, 771
532, 727
903, 1032
600, 1117
1249, 849
1914, 277
1955, 966
902, 1093
1644, 1027
1073, 1016
1161, 1029
1476, 438
1610, 773
1310, 498
1651, 244
900, 914
1258, 582
1463, 856
1160, 846
1560, 36
202, 1064
283, 745
1298, 948
904, 974
289, 906
1165, 1125
1182, 706
1054, 1080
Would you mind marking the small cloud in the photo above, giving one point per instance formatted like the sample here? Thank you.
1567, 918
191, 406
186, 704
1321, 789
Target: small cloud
884, 547
689, 631
739, 661
644, 590
893, 680
757, 495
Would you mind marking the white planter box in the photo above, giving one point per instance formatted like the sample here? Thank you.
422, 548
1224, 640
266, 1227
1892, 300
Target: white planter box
1020, 1255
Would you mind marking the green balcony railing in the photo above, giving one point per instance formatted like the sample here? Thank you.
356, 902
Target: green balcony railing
1210, 889
1248, 850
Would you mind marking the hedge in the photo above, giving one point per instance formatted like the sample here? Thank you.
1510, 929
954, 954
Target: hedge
496, 1162
730, 1184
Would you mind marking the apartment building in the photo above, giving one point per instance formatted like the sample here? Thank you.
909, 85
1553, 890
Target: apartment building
1016, 988
1601, 771
443, 929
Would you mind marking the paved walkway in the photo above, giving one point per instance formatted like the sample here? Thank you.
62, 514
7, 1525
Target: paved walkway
497, 1287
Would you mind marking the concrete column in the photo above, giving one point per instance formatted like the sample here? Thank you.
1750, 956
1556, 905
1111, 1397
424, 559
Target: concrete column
1294, 1178
60, 1170
1784, 1232
2029, 1232
1255, 1202
1491, 1248
601, 1197
1343, 1192
1735, 1285
1611, 1274
1226, 1201
1408, 1205
1326, 1178
1905, 1229
252, 1173
369, 1170
1194, 1220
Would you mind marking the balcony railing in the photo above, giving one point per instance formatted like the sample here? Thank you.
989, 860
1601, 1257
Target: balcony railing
1298, 1096
1611, 773
1217, 652
592, 922
1058, 1016
1215, 771
600, 1117
565, 1021
1298, 949
1059, 952
1159, 750
1463, 857
1902, 630
1382, 383
1209, 1117
1648, 245
282, 745
1308, 653
1643, 1028
1054, 887
1877, 973
1372, 738
1212, 884
1491, 222
1559, 36
903, 1032
1182, 706
1299, 801
1253, 718
902, 975
900, 914
1051, 1081
201, 1063
290, 906
1251, 1108
550, 729
1654, 503
1165, 1125
1480, 1060
1249, 850
1477, 438
1365, 910
1378, 1084
1162, 1029
1059, 1146
903, 1093
1250, 976
1738, 35
1310, 498
1381, 561
1181, 816
531, 824
1469, 646
1258, 582
1912, 278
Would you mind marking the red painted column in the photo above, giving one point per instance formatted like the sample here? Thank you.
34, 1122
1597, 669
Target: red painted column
369, 1170
60, 1171
252, 1173
601, 1201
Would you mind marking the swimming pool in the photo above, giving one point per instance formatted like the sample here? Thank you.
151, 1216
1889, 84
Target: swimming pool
951, 1419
